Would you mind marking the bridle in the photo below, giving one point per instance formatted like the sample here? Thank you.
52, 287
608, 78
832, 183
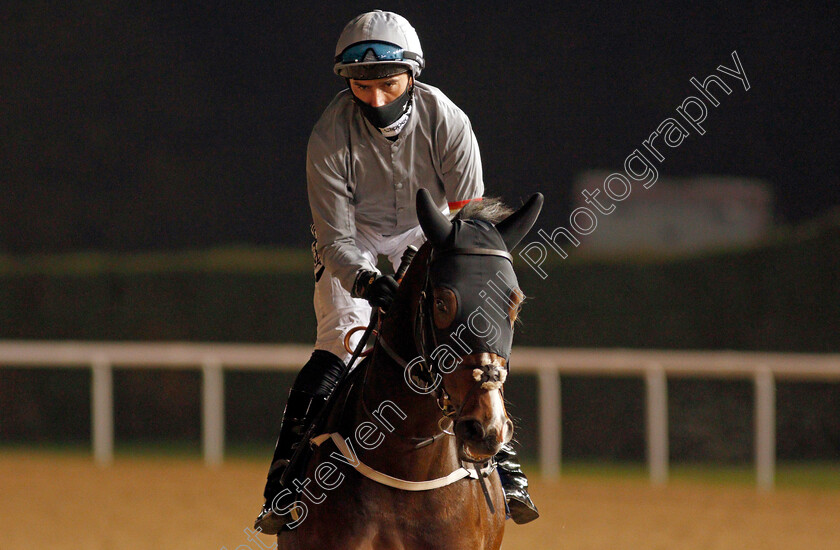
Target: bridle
429, 372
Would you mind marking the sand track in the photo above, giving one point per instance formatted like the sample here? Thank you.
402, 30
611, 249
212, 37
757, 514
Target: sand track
66, 502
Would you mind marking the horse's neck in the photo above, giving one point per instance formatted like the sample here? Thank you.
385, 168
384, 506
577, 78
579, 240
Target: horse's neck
382, 402
385, 382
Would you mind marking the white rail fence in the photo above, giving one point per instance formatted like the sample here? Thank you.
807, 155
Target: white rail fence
655, 367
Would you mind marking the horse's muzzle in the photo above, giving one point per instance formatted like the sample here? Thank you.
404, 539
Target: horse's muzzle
482, 425
478, 444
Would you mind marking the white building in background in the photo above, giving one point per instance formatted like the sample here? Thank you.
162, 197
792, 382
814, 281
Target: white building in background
679, 214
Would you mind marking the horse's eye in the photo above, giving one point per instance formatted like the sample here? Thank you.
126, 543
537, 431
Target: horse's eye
445, 306
515, 304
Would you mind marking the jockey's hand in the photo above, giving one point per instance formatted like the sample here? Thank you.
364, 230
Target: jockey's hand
378, 290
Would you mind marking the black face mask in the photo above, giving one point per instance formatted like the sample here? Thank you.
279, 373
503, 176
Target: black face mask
470, 260
483, 285
384, 116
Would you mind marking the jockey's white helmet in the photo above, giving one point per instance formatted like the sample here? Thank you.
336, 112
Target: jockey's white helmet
378, 44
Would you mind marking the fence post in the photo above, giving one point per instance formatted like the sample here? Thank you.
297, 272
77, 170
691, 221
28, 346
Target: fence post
213, 411
102, 410
550, 437
656, 384
765, 429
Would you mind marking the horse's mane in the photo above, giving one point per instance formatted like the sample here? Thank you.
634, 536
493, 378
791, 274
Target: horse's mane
489, 209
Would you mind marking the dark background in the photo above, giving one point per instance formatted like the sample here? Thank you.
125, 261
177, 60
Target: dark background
161, 126
129, 126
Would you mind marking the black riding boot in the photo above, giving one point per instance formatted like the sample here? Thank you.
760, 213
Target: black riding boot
515, 486
313, 386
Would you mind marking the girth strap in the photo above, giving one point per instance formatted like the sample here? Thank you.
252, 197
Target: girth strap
397, 483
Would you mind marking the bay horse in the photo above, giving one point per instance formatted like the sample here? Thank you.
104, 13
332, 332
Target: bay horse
406, 460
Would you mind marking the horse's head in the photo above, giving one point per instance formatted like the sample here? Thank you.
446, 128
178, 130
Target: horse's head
470, 303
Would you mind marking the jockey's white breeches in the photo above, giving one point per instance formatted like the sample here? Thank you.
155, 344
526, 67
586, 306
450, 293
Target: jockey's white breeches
335, 310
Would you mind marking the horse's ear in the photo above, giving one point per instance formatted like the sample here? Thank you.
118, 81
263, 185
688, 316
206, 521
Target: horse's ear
517, 225
436, 226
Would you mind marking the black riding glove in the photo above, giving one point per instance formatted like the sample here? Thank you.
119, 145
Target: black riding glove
378, 290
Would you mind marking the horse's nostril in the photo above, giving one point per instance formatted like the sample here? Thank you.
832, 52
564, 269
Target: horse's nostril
469, 430
508, 432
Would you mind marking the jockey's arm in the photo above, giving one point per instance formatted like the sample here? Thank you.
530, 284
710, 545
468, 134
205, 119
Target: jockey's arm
333, 215
460, 162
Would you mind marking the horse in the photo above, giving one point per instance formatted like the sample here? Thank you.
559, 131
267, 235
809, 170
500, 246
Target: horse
406, 458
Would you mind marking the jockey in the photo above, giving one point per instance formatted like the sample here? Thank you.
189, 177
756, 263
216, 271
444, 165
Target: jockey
377, 143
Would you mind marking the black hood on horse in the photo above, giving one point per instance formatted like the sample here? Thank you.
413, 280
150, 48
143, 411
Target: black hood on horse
475, 292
